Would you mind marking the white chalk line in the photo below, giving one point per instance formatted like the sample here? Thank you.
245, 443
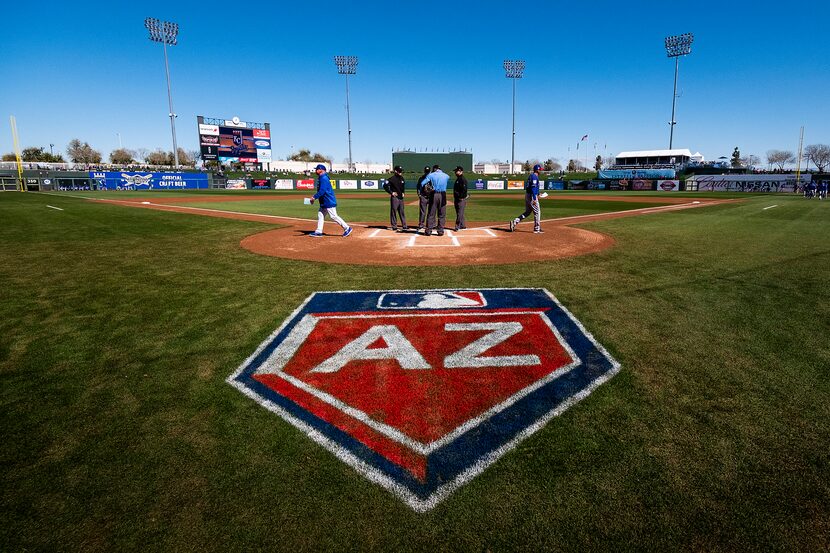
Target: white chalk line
413, 242
769, 207
642, 210
64, 195
53, 207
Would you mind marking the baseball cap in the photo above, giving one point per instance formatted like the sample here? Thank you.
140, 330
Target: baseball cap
537, 167
320, 166
459, 168
398, 168
426, 168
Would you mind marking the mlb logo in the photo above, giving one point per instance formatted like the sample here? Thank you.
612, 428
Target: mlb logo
420, 391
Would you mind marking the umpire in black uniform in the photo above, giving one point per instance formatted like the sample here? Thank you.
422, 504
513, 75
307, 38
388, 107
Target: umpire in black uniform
395, 188
423, 199
459, 196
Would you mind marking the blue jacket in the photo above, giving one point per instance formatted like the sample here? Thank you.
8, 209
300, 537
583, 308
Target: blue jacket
325, 193
532, 185
439, 180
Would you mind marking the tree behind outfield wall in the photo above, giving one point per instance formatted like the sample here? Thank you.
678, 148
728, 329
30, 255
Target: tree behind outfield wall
82, 152
306, 155
736, 157
819, 154
552, 165
157, 157
575, 166
160, 157
40, 154
35, 154
750, 161
122, 156
780, 158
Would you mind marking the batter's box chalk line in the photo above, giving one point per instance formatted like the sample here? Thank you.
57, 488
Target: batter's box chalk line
451, 239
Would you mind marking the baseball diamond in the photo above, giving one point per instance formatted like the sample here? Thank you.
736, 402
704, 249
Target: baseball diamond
481, 243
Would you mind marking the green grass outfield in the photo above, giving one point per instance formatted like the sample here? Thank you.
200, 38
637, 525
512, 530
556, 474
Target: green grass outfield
119, 326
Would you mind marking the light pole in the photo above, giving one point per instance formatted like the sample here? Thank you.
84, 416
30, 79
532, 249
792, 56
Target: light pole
676, 46
513, 69
347, 65
166, 33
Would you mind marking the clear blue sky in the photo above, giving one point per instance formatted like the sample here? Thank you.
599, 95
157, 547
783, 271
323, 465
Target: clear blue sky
430, 75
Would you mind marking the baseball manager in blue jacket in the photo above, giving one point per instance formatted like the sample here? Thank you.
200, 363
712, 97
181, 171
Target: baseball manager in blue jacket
328, 203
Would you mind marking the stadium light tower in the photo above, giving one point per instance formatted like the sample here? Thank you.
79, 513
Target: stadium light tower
166, 33
513, 69
347, 65
676, 46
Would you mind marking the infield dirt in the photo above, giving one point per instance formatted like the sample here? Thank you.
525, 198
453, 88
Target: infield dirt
373, 244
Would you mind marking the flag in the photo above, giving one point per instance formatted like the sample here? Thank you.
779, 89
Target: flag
584, 138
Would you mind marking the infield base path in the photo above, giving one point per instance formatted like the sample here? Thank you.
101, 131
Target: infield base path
374, 244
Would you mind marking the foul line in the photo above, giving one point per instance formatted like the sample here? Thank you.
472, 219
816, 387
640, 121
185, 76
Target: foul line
53, 207
64, 195
606, 213
770, 207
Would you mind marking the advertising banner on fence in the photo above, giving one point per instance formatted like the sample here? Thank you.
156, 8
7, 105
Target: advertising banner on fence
578, 185
346, 184
369, 184
746, 183
260, 184
283, 184
640, 184
307, 184
235, 184
596, 185
495, 185
554, 185
637, 174
132, 180
479, 184
668, 185
515, 185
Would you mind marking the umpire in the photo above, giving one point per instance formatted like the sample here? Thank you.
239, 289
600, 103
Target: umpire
423, 199
438, 200
395, 188
459, 197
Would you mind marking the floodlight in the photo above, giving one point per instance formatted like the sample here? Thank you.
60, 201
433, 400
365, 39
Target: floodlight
166, 32
513, 69
676, 46
347, 65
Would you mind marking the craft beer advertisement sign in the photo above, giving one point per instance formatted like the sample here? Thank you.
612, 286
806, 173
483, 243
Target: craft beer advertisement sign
422, 390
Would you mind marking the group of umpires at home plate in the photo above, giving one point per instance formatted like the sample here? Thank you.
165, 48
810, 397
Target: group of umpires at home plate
431, 189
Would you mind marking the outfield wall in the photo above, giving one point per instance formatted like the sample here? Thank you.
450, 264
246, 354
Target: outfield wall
748, 183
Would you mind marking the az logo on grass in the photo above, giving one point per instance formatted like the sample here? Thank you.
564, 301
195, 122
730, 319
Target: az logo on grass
420, 391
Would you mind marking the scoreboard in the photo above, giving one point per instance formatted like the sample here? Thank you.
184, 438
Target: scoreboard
232, 140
